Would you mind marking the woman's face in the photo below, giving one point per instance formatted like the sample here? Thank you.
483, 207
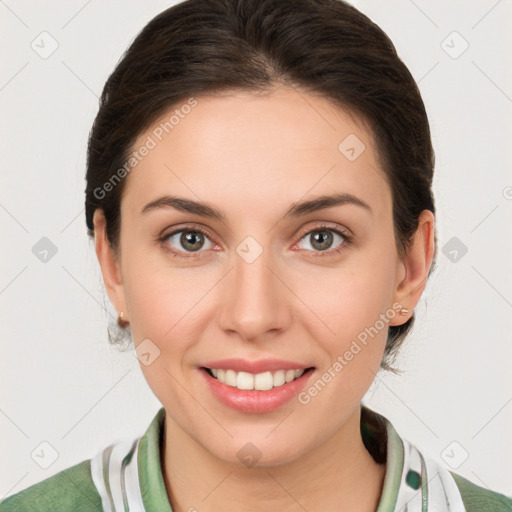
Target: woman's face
270, 280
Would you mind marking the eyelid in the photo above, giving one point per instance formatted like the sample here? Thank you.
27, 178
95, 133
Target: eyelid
325, 226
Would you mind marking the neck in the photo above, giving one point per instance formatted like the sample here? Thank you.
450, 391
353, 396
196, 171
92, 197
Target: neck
338, 474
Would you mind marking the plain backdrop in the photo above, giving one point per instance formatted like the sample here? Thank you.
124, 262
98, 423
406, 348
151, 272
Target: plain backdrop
65, 393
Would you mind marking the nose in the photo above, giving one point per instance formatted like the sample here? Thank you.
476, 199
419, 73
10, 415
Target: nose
256, 299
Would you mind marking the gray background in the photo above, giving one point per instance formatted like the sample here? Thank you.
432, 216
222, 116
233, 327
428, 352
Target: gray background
64, 386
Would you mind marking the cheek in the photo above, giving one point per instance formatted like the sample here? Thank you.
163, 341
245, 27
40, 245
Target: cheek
160, 305
162, 311
353, 307
157, 295
355, 311
347, 299
167, 305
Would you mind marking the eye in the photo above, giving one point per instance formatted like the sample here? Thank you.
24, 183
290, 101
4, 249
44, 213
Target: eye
184, 242
191, 239
322, 238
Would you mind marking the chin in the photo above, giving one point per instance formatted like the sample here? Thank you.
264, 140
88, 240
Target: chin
256, 453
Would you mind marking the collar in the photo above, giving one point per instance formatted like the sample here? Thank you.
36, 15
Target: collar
413, 482
128, 476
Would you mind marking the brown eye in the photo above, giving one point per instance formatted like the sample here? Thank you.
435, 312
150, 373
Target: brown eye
325, 239
321, 240
186, 241
191, 240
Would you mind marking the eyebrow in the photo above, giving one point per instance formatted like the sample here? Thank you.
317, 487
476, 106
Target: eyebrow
296, 210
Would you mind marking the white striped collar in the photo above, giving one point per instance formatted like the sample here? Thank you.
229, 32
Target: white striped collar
115, 474
413, 483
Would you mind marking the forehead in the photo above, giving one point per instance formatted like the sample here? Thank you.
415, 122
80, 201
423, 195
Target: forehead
273, 148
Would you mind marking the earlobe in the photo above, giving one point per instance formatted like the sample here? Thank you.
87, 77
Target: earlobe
415, 267
110, 266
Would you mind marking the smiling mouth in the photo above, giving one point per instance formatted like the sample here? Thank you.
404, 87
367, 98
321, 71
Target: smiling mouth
259, 382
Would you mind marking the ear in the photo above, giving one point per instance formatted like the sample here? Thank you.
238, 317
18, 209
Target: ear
413, 269
110, 266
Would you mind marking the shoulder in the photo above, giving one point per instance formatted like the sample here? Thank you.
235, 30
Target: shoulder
70, 489
479, 499
110, 480
415, 481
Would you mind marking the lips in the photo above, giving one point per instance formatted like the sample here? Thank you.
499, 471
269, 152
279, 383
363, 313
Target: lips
250, 386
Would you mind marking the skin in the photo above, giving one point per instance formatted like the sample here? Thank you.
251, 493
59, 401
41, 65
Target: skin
252, 156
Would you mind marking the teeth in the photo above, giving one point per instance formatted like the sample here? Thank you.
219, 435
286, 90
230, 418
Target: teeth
290, 375
279, 378
264, 381
230, 378
244, 380
260, 381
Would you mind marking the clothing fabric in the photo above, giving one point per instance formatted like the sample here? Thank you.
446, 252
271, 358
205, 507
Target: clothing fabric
127, 477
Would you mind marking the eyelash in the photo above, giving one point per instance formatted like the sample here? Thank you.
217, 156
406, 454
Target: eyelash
347, 240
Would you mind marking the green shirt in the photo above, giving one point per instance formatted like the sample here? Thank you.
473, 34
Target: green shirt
128, 477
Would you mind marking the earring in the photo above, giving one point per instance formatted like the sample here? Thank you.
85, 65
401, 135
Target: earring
121, 321
404, 311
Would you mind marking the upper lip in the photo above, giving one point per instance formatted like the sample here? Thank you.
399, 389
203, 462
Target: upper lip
260, 366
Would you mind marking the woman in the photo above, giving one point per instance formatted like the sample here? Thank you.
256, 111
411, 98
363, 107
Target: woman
259, 192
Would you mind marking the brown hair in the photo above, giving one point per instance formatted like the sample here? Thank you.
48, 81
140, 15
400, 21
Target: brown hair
325, 47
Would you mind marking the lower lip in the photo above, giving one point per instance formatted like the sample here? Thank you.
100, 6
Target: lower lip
252, 400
